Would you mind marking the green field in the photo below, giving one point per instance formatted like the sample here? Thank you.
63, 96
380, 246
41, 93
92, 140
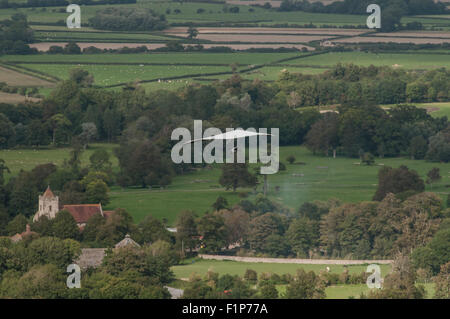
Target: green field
163, 58
353, 291
212, 13
404, 61
121, 68
323, 178
201, 267
443, 108
341, 179
27, 159
81, 36
105, 75
272, 73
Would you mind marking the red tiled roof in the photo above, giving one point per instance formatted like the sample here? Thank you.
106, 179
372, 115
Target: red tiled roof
81, 213
48, 192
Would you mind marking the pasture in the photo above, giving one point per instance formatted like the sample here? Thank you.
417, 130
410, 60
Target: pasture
400, 60
107, 75
320, 178
243, 58
201, 267
27, 159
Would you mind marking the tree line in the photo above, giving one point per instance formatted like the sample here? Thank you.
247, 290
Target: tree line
58, 3
128, 19
15, 34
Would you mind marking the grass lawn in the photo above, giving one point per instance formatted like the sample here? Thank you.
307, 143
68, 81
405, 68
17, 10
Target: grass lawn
201, 267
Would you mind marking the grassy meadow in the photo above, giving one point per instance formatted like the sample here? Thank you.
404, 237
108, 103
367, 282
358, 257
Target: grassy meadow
201, 267
105, 75
319, 178
413, 61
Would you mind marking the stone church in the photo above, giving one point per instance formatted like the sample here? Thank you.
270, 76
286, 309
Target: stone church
49, 207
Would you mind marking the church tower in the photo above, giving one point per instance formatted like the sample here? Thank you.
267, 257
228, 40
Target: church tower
48, 205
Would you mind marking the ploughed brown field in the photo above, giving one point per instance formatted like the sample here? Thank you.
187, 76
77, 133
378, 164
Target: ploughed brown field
260, 38
15, 98
14, 78
277, 31
392, 39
